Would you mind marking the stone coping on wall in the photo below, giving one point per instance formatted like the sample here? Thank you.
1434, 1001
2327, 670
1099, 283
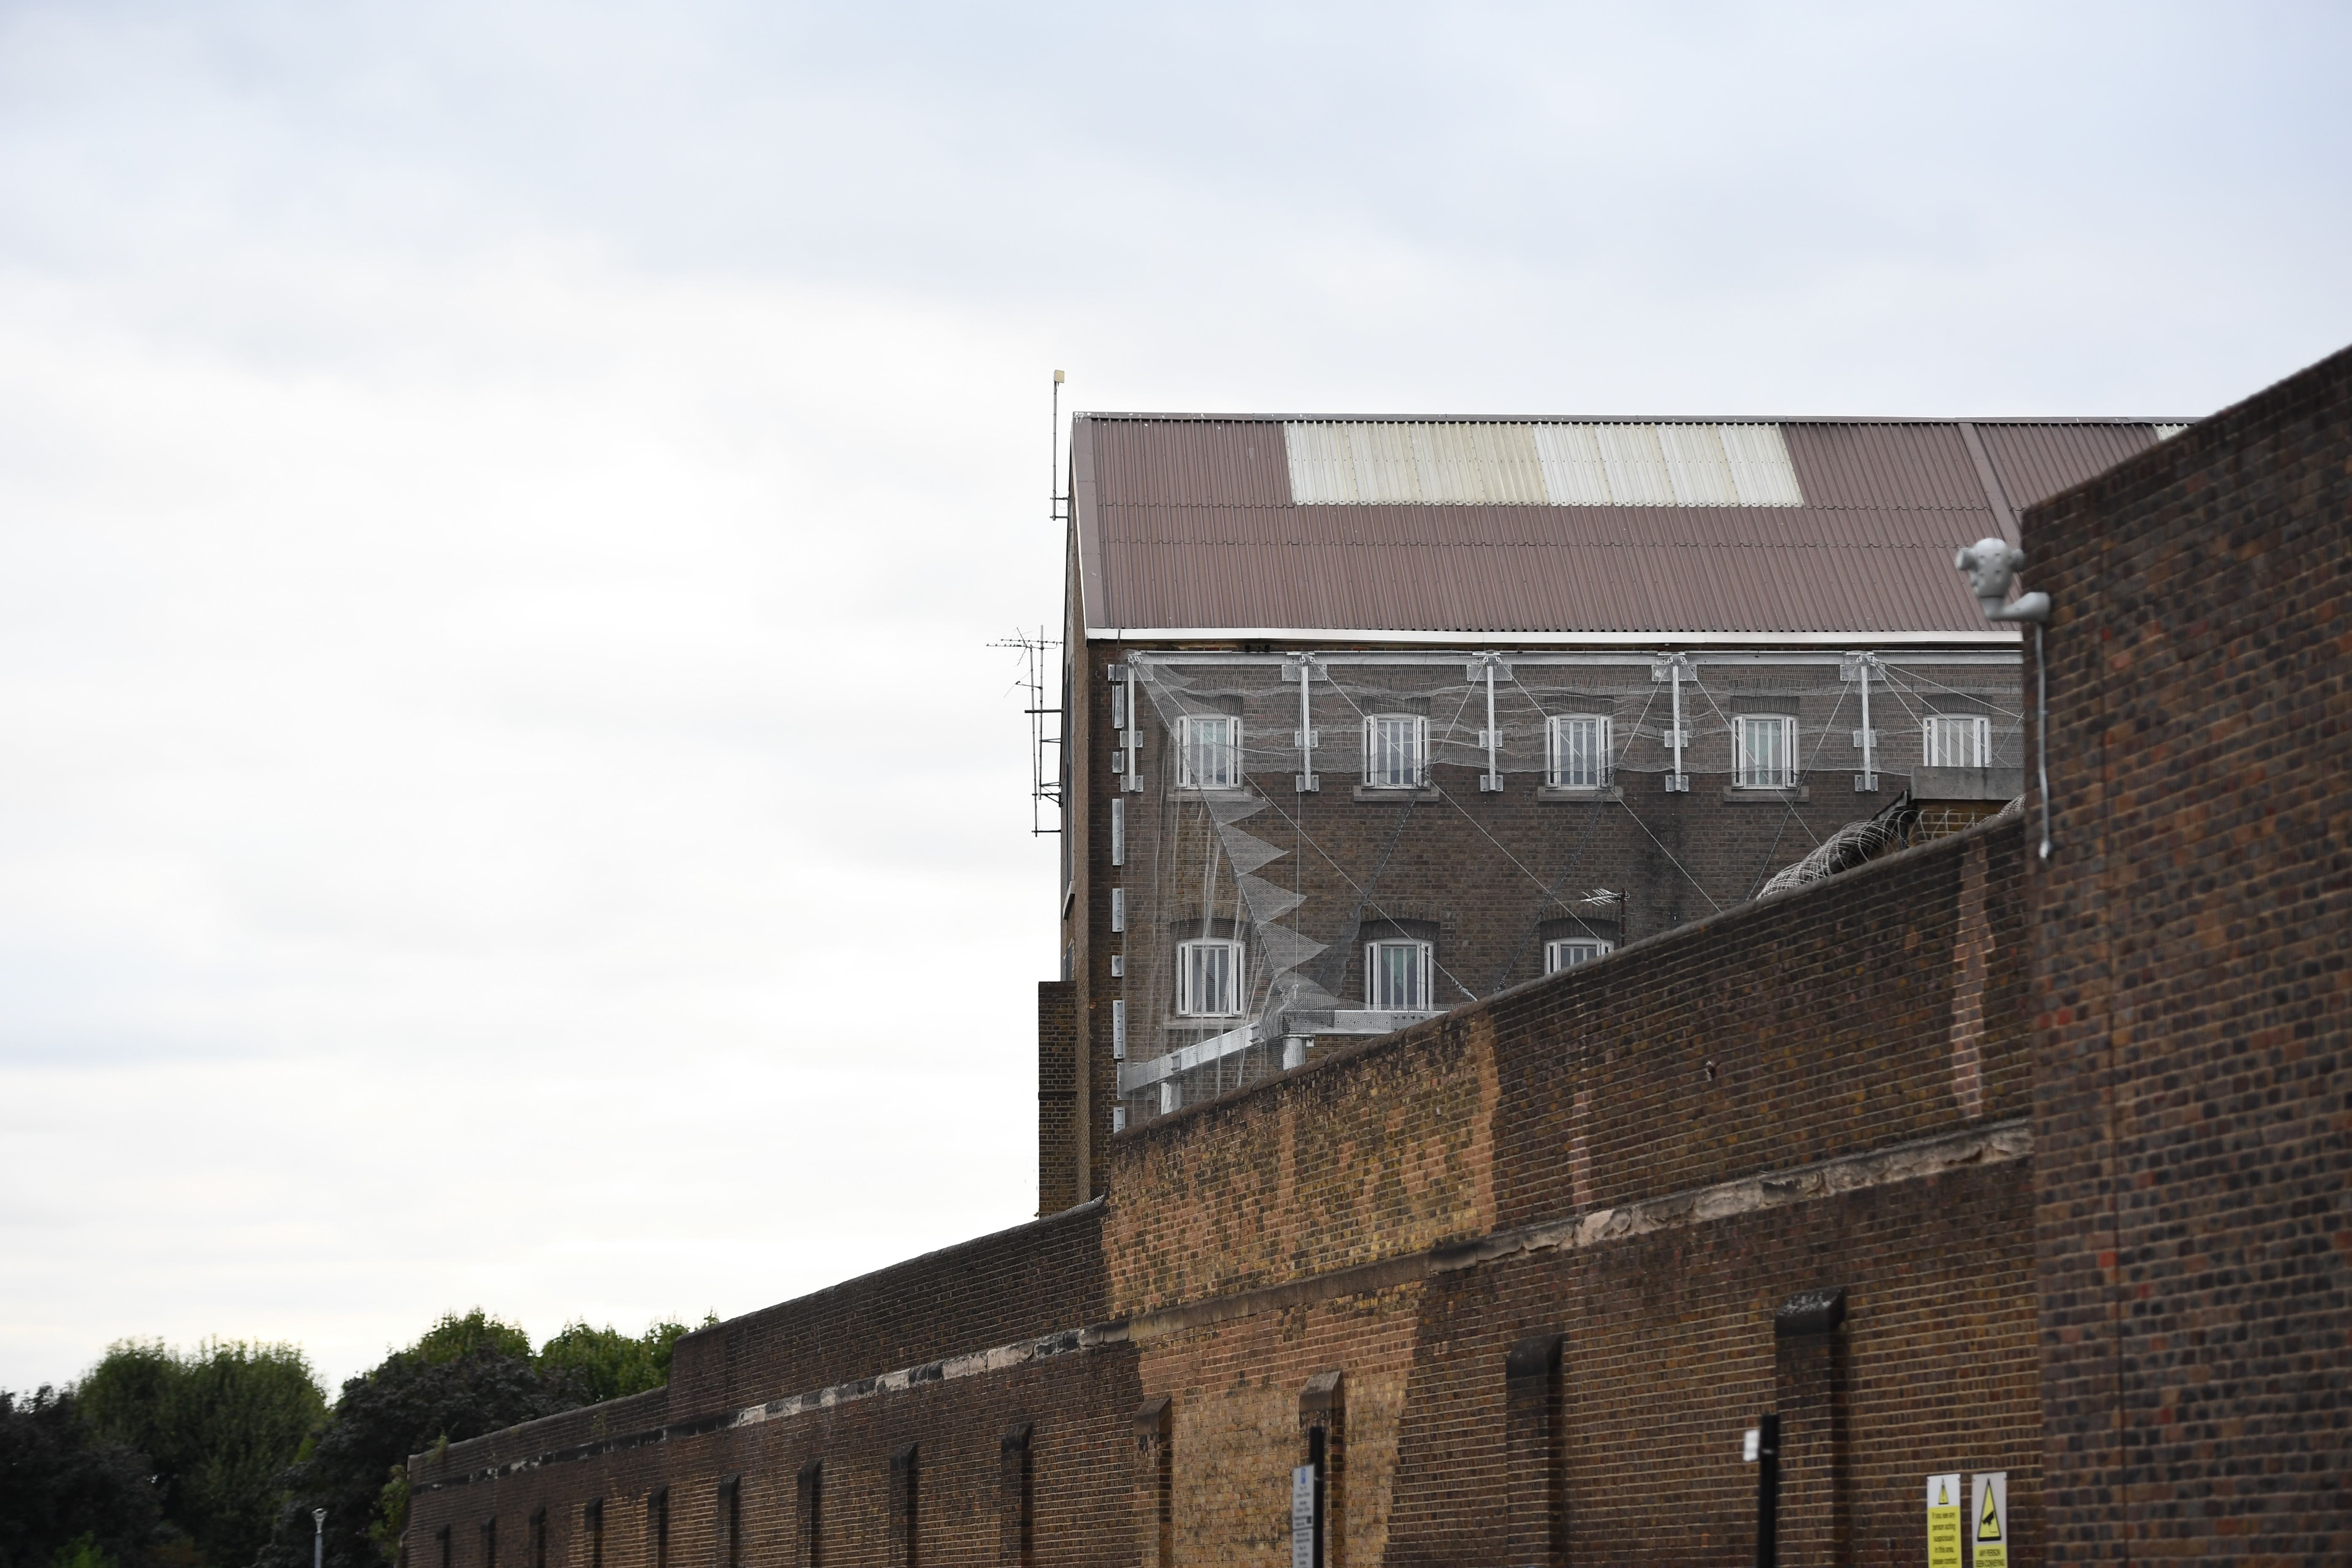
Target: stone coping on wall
586, 1429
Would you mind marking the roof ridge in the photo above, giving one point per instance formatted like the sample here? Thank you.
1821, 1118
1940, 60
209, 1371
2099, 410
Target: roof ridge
1955, 420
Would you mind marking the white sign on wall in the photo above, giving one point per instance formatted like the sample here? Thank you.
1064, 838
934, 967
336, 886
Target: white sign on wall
1989, 1536
1944, 1498
1302, 1517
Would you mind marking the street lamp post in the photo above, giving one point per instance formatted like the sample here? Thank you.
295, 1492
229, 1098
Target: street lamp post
318, 1538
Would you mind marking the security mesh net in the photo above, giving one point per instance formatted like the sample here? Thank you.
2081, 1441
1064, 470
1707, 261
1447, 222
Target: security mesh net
1252, 904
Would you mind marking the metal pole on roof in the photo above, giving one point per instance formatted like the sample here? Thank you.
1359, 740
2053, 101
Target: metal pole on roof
1493, 779
1053, 491
1674, 663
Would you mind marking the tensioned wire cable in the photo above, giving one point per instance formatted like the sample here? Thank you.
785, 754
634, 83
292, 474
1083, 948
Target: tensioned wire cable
1363, 894
1828, 728
1971, 696
1733, 731
2015, 728
1551, 894
1411, 797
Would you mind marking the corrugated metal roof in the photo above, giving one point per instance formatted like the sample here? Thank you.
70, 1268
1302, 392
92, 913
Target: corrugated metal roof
1500, 526
1366, 462
2039, 460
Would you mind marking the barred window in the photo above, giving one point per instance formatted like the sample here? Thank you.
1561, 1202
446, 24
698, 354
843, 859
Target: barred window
1764, 748
1396, 751
1570, 952
1396, 976
1957, 741
1209, 753
1208, 979
1580, 751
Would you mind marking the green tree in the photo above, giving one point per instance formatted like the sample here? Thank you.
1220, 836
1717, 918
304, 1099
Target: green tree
467, 1376
605, 1364
67, 1492
219, 1423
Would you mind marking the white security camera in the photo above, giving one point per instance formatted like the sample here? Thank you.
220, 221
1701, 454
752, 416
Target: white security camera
1992, 566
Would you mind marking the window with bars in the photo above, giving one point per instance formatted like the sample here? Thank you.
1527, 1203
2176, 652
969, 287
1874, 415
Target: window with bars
1764, 751
1209, 753
1396, 751
1578, 747
1957, 741
1396, 976
1209, 979
1569, 952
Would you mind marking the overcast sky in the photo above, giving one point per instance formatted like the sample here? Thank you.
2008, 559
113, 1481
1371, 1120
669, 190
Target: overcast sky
504, 796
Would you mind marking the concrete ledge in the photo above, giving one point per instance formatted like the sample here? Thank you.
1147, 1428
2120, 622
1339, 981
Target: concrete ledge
1928, 784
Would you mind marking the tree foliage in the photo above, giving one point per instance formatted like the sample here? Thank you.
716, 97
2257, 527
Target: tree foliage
465, 1376
218, 1423
604, 1363
66, 1493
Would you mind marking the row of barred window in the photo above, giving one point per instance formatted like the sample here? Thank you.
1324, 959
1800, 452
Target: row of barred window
1577, 749
1210, 976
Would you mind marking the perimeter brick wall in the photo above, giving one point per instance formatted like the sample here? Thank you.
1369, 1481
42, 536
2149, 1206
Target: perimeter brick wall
2193, 1114
1879, 1011
1584, 1092
1018, 1285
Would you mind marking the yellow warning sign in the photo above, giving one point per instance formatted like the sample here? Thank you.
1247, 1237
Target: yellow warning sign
1990, 1511
1944, 1520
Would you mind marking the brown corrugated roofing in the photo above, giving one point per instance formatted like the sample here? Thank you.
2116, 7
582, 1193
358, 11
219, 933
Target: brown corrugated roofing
1187, 524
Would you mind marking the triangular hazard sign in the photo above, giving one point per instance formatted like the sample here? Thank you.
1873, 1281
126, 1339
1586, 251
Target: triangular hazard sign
1943, 1494
1988, 1526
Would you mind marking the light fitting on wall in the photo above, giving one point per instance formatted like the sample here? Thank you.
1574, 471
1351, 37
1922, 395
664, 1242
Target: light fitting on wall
1992, 566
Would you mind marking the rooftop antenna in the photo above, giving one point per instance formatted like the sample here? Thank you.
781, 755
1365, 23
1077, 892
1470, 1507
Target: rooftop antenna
1053, 491
1046, 722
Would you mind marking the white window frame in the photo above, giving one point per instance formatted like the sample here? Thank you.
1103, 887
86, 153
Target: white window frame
1378, 997
1195, 746
1562, 731
1941, 733
1745, 773
1567, 952
1382, 731
1193, 959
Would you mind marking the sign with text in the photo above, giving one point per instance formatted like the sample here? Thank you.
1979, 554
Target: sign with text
1989, 1535
1945, 1496
1302, 1517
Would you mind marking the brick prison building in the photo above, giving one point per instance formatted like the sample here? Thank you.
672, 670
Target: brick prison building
1369, 718
1955, 1161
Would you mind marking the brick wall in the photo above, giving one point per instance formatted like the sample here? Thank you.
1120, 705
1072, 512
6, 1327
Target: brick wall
754, 1401
1631, 1167
1058, 1111
1576, 1164
2193, 1135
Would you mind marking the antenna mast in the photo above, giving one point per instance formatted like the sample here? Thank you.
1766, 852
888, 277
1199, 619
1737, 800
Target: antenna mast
1044, 782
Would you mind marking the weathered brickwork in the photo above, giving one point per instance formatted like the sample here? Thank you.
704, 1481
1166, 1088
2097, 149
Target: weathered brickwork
2193, 1096
675, 1449
1058, 1111
1341, 1262
1788, 1033
1777, 1035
